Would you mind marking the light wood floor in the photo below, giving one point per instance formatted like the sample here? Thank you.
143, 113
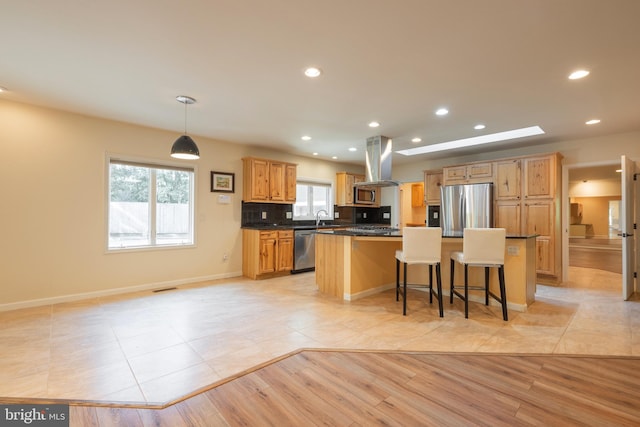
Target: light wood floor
146, 349
404, 389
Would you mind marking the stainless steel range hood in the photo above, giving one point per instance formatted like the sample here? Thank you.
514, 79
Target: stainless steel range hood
378, 163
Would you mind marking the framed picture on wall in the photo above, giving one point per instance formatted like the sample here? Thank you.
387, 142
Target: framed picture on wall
222, 182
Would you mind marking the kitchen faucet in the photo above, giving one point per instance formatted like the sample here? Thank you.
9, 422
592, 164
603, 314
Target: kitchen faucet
318, 216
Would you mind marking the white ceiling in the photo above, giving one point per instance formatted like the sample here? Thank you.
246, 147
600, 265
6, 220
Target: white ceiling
500, 62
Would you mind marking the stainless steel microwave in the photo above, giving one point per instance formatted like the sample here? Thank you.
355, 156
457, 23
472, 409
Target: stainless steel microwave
364, 196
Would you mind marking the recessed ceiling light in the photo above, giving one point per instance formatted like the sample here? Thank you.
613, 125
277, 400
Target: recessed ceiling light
315, 154
592, 122
312, 72
442, 112
306, 138
353, 149
578, 74
416, 140
479, 127
334, 157
476, 140
374, 124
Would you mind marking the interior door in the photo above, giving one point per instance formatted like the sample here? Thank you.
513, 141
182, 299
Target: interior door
626, 225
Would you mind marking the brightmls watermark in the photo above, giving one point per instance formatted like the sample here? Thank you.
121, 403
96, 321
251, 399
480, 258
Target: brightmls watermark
34, 415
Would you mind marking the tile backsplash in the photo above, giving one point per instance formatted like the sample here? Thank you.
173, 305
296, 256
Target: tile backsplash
282, 214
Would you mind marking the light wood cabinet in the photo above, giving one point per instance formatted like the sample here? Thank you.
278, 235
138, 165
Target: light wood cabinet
539, 218
266, 253
508, 215
540, 177
345, 190
417, 195
508, 173
432, 183
268, 181
468, 174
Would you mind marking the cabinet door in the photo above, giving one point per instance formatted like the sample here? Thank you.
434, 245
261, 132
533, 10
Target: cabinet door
259, 180
539, 219
479, 170
508, 180
276, 182
433, 182
268, 242
290, 176
455, 174
508, 216
417, 195
285, 254
539, 177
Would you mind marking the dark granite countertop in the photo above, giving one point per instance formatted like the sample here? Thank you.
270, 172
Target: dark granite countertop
396, 233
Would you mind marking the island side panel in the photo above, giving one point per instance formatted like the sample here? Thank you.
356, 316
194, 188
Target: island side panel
331, 262
373, 265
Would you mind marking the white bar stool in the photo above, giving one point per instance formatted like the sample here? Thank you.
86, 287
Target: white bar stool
481, 247
420, 245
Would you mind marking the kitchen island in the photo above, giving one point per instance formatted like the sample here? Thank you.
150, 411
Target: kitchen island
351, 264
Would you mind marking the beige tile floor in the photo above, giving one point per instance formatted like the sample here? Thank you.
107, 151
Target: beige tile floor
156, 347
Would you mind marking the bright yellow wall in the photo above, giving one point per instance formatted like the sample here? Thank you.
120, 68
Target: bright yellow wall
595, 211
52, 171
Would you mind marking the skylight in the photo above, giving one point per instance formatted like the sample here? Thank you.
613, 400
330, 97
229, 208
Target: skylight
476, 140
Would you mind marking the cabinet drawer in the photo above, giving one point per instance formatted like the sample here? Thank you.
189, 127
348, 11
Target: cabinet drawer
285, 234
268, 235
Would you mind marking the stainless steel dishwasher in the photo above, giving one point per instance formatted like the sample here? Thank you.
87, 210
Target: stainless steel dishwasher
304, 248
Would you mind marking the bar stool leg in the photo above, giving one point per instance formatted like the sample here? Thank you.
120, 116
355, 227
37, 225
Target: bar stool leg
439, 285
404, 292
466, 291
503, 293
453, 268
430, 283
486, 286
397, 279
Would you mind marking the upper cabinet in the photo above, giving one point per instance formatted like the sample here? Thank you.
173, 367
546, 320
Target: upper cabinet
468, 174
432, 183
508, 174
268, 181
417, 195
540, 176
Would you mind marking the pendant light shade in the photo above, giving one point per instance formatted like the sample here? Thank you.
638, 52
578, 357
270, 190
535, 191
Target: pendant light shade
185, 147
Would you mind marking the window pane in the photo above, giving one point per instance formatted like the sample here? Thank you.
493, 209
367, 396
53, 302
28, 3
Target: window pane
129, 206
173, 208
310, 198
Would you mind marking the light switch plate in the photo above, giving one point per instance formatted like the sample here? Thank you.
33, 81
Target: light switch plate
386, 215
289, 215
224, 199
264, 215
513, 250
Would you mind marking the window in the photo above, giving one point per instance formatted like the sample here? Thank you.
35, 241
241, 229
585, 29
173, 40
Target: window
310, 198
149, 205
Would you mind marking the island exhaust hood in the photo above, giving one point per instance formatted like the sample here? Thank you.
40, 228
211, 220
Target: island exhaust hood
378, 163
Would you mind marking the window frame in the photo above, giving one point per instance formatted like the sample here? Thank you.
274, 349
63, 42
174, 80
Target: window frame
159, 165
317, 182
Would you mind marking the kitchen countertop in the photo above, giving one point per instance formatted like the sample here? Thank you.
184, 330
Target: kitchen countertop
294, 226
396, 233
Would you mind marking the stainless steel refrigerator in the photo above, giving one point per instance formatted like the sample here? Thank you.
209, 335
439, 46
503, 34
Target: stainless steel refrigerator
464, 206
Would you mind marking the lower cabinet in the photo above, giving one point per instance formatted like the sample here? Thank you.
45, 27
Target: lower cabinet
539, 219
266, 253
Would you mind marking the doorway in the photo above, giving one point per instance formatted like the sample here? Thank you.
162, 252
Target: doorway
594, 194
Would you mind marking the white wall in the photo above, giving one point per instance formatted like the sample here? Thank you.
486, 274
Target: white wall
52, 242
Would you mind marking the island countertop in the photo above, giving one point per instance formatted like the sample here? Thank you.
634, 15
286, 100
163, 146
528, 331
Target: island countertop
355, 231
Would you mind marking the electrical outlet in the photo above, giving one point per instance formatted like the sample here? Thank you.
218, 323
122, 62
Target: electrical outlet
364, 215
225, 257
289, 215
513, 250
264, 215
336, 215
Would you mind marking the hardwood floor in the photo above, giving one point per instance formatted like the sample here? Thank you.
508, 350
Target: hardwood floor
342, 388
601, 254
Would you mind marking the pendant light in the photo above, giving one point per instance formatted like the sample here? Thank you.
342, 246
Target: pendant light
185, 147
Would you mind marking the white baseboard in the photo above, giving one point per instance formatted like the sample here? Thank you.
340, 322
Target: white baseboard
368, 292
114, 291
